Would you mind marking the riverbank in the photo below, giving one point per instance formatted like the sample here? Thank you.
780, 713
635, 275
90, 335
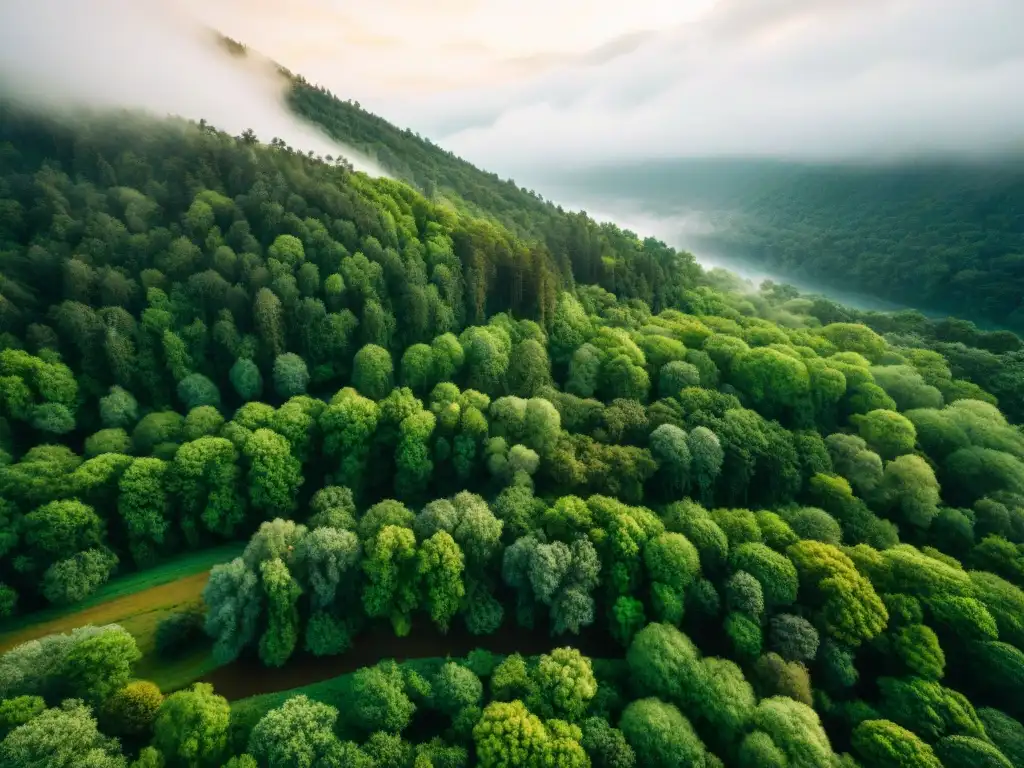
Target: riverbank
248, 677
138, 602
690, 231
177, 581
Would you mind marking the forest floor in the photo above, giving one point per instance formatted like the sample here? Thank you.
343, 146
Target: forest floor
138, 602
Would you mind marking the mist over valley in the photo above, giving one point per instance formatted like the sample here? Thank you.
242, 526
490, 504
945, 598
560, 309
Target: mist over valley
723, 141
153, 58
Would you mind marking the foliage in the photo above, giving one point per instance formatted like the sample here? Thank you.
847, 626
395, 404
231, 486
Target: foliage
290, 375
606, 746
63, 737
774, 676
660, 735
744, 593
928, 708
1005, 732
191, 726
918, 648
744, 634
508, 735
133, 708
299, 732
850, 609
563, 386
956, 751
71, 580
775, 573
793, 638
99, 663
564, 685
381, 703
794, 728
456, 687
884, 743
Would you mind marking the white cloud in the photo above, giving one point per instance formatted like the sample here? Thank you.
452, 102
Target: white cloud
874, 78
402, 48
537, 84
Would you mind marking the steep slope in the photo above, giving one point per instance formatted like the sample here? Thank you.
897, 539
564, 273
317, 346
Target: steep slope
596, 253
939, 235
919, 222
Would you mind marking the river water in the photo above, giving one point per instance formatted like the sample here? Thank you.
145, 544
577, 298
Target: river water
248, 677
755, 275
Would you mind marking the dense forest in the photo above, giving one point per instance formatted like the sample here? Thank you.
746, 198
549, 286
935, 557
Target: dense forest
945, 236
448, 405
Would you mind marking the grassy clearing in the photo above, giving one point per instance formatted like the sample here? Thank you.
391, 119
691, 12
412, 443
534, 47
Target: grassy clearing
139, 612
174, 674
138, 602
107, 600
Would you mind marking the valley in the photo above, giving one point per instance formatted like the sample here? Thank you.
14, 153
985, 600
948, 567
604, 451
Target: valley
691, 232
334, 449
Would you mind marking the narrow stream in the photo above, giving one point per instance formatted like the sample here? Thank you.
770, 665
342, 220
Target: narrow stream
248, 677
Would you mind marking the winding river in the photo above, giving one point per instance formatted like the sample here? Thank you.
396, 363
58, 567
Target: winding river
248, 677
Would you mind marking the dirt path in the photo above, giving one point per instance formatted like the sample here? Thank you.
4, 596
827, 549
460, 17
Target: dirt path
133, 608
248, 677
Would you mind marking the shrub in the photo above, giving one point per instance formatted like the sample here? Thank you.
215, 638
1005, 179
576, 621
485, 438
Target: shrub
180, 632
132, 709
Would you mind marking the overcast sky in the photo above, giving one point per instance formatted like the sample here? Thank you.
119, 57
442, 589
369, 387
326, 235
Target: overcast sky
520, 83
515, 85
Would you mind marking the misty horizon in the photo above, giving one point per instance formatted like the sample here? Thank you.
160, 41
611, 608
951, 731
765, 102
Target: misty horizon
795, 79
835, 82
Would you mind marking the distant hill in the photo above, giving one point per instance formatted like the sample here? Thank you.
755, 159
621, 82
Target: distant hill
938, 235
934, 234
943, 236
416, 159
773, 208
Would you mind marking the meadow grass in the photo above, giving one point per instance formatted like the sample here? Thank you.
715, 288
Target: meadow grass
107, 604
174, 674
138, 602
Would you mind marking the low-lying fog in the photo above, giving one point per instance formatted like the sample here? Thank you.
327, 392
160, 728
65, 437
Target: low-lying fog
685, 228
135, 54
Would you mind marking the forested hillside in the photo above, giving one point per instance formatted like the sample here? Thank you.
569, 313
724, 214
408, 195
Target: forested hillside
597, 254
794, 532
418, 160
942, 236
993, 359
